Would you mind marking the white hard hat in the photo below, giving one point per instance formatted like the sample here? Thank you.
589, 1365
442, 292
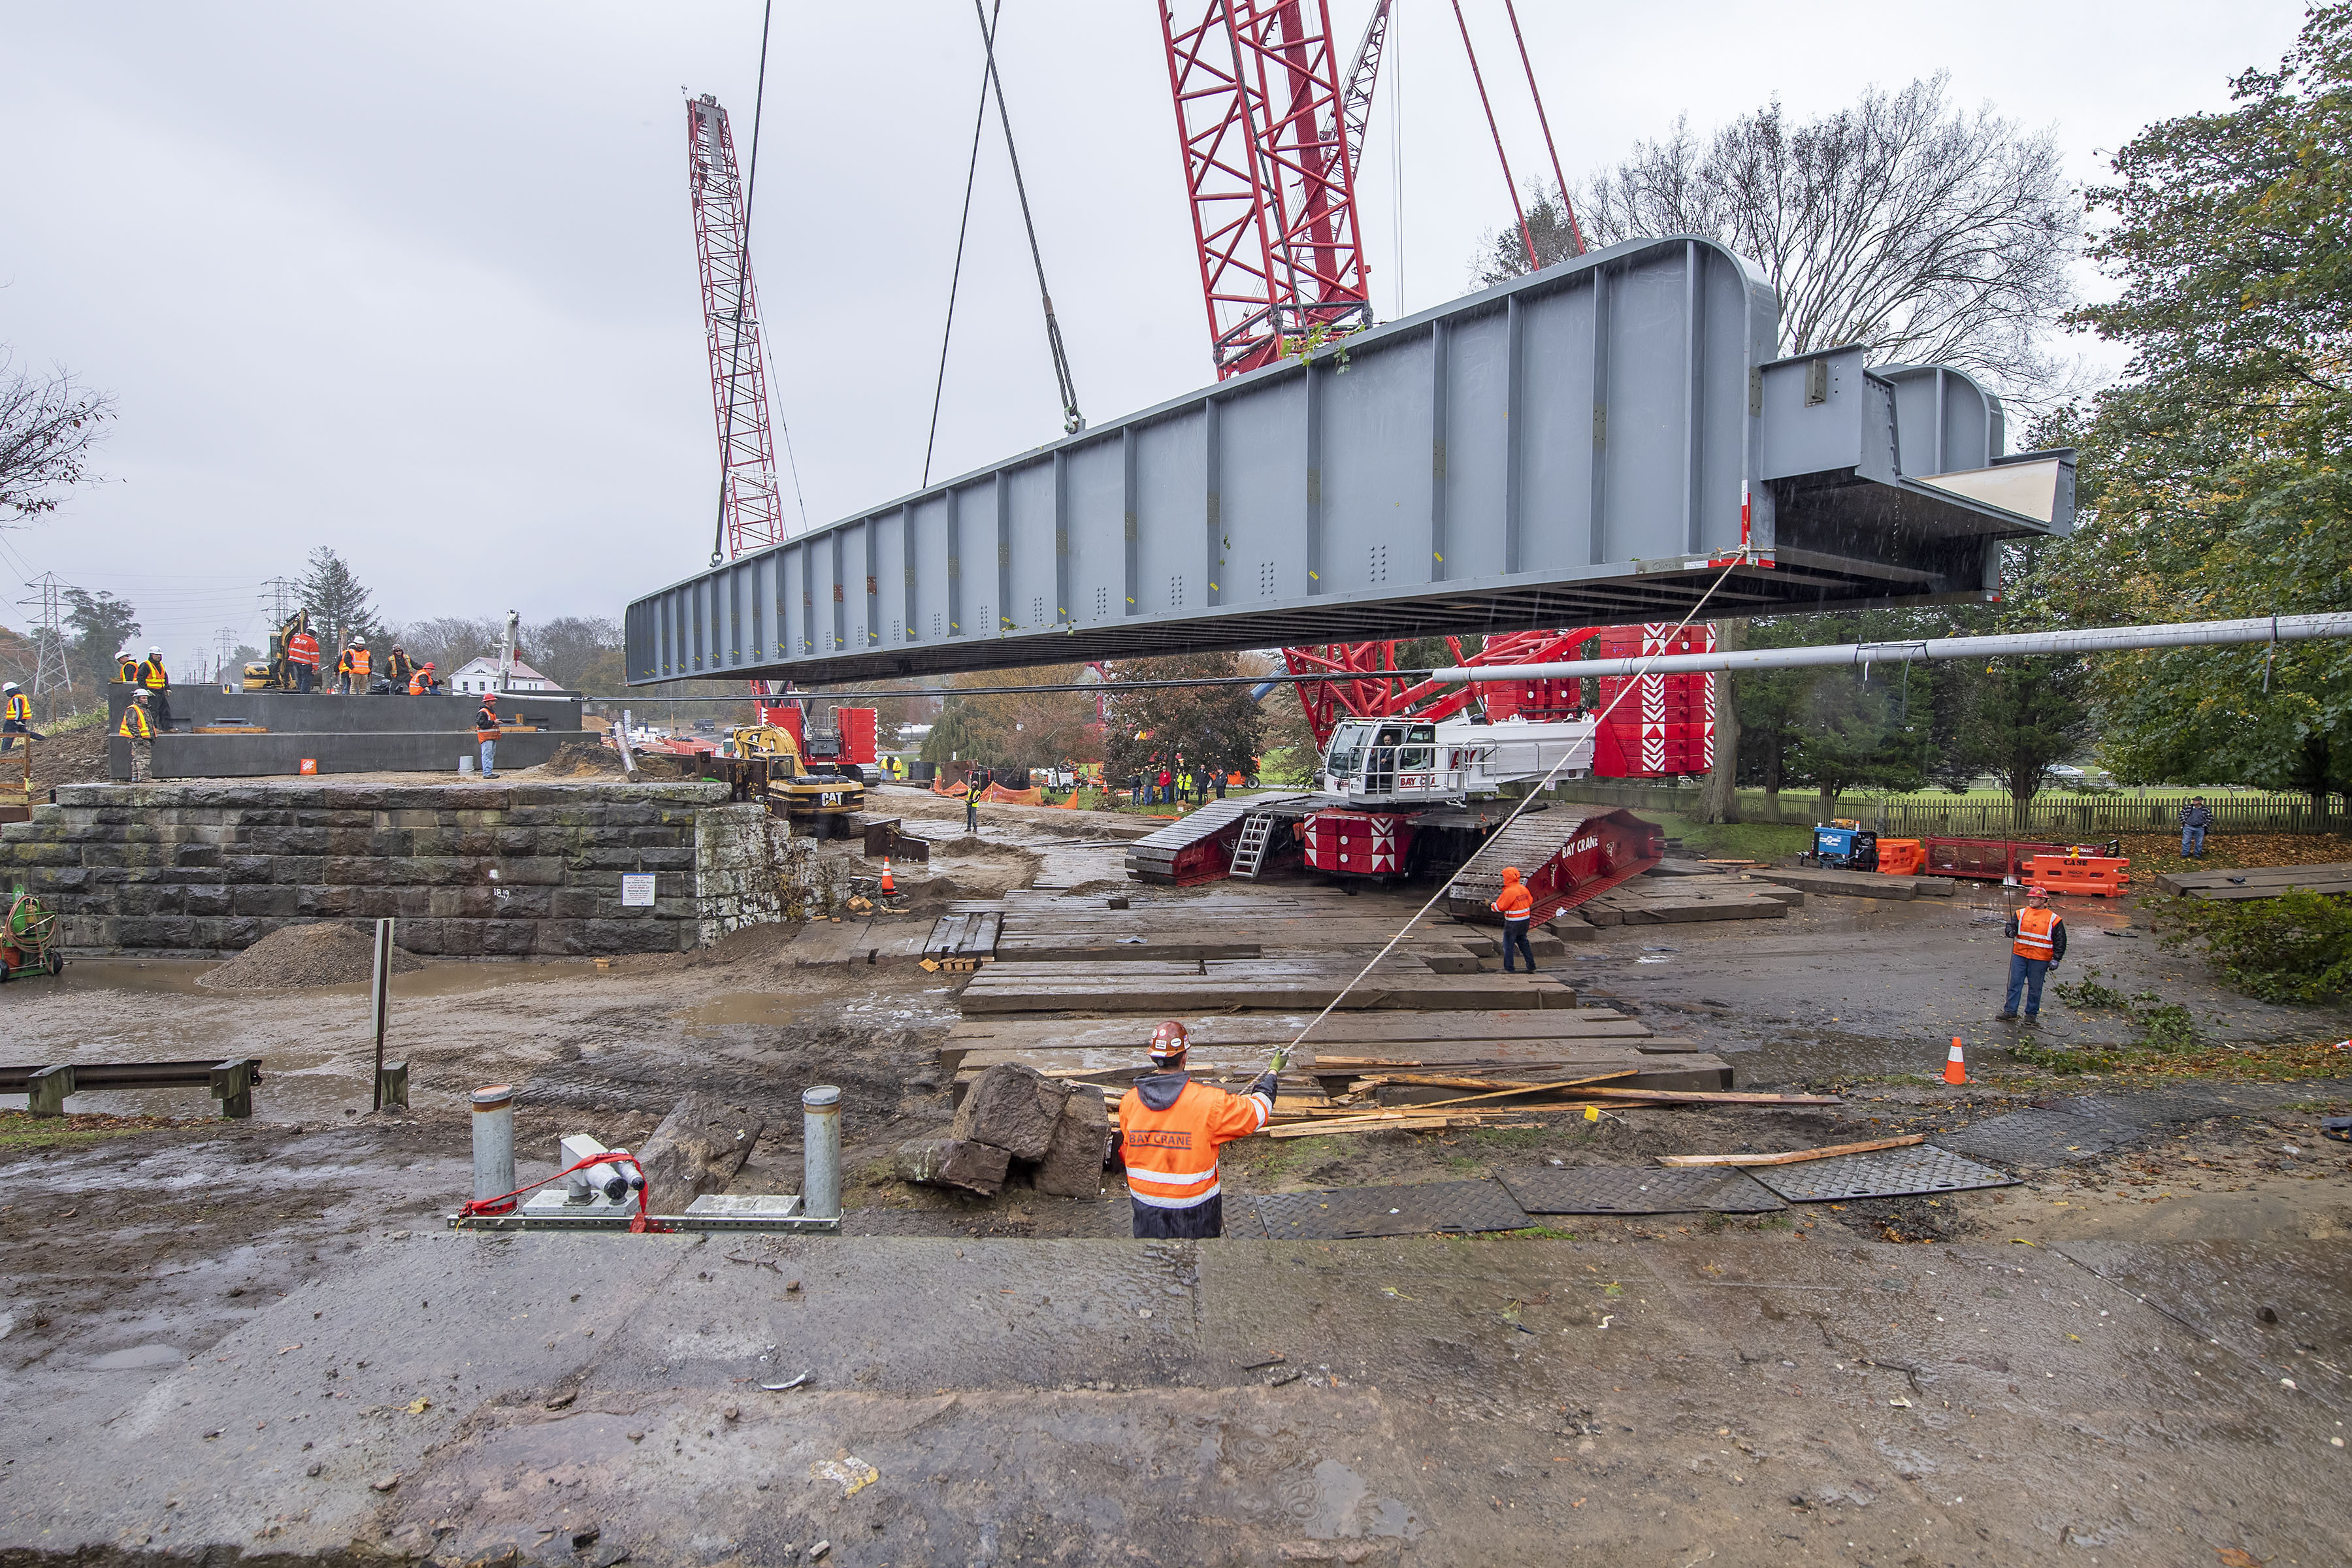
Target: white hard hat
157, 649
7, 686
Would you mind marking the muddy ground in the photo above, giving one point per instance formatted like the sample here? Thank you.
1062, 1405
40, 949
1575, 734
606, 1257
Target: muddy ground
2137, 1356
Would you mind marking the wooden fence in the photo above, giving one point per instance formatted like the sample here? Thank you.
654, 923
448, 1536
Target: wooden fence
1949, 816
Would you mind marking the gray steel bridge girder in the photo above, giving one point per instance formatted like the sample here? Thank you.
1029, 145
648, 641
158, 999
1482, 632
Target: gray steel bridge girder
1594, 442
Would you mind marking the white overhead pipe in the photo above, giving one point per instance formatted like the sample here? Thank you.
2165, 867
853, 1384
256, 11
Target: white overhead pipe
2098, 639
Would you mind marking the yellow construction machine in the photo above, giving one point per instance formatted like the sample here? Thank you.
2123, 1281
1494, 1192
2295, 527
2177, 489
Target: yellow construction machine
821, 804
278, 675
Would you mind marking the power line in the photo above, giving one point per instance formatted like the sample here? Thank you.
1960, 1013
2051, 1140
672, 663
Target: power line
50, 670
955, 278
1072, 420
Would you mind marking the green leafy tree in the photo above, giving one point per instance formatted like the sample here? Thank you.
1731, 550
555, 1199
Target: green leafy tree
103, 627
341, 607
2212, 478
1211, 726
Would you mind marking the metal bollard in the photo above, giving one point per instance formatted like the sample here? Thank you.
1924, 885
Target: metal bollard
494, 1165
820, 1152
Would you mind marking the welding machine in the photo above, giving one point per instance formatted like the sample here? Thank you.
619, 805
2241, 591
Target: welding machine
1845, 848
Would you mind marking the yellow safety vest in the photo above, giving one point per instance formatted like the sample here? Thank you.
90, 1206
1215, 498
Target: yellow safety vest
136, 725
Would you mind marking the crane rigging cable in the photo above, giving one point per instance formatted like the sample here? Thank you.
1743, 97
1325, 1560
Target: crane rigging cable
963, 226
1072, 420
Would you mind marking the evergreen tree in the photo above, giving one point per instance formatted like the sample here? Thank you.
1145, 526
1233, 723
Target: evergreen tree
340, 604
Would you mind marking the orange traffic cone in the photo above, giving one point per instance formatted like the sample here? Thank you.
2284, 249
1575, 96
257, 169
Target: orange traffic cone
889, 887
1956, 1068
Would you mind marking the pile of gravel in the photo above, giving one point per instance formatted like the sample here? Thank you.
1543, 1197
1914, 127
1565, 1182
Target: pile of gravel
322, 953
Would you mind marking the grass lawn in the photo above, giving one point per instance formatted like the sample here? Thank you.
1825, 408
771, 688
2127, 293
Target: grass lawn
1763, 841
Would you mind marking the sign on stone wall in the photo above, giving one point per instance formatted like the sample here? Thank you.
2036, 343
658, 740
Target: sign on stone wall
637, 890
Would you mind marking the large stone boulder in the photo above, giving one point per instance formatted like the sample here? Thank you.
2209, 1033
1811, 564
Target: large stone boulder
1012, 1107
698, 1149
949, 1162
1072, 1165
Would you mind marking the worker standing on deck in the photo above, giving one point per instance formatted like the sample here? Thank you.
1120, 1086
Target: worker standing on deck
302, 653
1517, 907
140, 730
973, 786
486, 733
1168, 1130
400, 669
126, 668
16, 716
2037, 939
157, 683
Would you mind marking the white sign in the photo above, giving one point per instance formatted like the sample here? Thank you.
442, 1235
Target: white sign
637, 890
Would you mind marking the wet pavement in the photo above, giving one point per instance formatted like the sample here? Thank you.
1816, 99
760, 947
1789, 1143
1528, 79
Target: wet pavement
1756, 1398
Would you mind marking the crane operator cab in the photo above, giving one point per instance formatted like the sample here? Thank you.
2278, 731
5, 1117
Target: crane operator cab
1378, 762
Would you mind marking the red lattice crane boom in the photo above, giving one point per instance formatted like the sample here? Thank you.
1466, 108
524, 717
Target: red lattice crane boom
1267, 170
751, 506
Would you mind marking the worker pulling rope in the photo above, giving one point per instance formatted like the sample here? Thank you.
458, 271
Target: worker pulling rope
1283, 1053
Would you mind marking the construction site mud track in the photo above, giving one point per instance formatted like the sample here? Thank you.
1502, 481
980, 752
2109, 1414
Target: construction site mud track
2136, 1350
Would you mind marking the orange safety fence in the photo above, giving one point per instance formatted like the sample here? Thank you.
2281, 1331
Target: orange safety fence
1002, 796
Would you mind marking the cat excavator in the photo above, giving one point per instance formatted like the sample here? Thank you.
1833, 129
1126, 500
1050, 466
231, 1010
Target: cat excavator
771, 766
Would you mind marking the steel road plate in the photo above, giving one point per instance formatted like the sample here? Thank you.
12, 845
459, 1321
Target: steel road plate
1638, 1189
1341, 1213
2038, 1138
1885, 1173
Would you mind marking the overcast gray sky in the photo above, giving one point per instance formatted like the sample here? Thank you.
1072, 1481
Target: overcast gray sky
419, 282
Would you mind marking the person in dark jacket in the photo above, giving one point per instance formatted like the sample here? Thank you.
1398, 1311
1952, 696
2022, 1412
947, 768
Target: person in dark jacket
2195, 819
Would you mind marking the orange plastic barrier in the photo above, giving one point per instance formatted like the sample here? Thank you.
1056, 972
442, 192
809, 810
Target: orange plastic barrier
2095, 876
1901, 857
998, 793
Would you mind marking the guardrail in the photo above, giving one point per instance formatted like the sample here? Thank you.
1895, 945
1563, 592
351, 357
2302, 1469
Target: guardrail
231, 1082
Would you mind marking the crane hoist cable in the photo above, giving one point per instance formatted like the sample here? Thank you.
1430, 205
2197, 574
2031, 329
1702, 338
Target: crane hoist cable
1072, 420
955, 278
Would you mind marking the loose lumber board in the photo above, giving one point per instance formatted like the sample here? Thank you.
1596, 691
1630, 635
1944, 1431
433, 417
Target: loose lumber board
1507, 1038
2258, 881
1793, 1156
1682, 900
1229, 983
1855, 884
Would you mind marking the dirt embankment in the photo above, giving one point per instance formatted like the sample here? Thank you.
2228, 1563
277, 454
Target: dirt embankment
298, 956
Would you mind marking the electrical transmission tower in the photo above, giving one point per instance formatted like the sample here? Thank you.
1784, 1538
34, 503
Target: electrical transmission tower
50, 672
225, 643
281, 599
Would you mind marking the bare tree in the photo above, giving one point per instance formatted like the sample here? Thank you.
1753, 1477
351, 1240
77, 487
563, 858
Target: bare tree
47, 425
1923, 233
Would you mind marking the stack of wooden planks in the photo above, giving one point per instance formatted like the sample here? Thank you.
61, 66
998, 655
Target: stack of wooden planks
1682, 897
962, 943
2258, 881
1175, 987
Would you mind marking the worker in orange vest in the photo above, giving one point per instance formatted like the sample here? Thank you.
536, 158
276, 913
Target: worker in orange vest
2037, 939
15, 716
424, 683
302, 653
1169, 1131
486, 733
1517, 907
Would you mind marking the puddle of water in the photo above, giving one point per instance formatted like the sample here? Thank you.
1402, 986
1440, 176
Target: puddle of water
744, 1007
136, 1357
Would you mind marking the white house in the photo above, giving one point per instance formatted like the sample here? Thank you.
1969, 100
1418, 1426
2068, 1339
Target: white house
482, 675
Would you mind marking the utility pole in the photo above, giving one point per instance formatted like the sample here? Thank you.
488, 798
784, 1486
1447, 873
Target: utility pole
224, 639
281, 600
50, 671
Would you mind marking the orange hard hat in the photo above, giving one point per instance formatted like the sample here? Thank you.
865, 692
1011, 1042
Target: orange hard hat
1169, 1042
